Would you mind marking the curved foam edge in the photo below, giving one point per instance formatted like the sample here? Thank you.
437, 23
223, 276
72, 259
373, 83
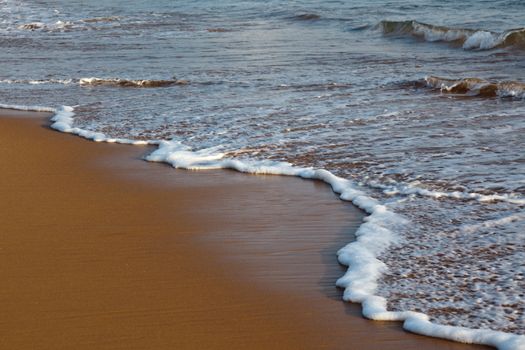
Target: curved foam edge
372, 238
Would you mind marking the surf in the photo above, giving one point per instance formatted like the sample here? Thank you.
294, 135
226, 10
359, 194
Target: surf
468, 39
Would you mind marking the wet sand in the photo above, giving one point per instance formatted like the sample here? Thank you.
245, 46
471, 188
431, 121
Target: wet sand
100, 250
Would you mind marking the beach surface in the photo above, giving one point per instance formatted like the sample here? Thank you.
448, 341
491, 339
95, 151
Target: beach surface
101, 250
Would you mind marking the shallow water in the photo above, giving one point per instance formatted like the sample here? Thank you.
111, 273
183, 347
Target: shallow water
338, 85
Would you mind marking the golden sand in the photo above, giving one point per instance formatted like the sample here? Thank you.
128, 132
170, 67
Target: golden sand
100, 250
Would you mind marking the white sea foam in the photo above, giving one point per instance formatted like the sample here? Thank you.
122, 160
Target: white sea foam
482, 40
431, 33
142, 83
99, 81
63, 121
31, 108
410, 189
37, 81
494, 223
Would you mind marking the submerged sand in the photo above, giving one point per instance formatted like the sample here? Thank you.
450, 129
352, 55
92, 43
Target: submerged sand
100, 250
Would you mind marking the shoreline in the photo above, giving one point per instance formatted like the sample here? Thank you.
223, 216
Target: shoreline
140, 229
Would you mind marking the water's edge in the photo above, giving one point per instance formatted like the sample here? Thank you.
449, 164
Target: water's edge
373, 237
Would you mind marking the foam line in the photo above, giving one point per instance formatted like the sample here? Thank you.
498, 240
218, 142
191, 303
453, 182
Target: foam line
373, 237
93, 81
494, 223
406, 189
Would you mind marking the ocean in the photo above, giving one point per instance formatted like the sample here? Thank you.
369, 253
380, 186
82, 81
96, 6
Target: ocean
412, 110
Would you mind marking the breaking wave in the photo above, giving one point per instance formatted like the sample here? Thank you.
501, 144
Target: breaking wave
115, 82
58, 26
477, 87
131, 83
65, 25
468, 38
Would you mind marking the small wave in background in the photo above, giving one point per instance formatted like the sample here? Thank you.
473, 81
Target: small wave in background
467, 38
478, 87
131, 83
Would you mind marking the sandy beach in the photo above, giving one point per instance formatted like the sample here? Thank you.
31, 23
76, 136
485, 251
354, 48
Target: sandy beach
101, 250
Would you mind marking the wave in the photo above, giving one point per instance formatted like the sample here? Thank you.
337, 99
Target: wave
408, 190
131, 83
64, 26
477, 87
468, 38
373, 237
59, 26
32, 26
116, 82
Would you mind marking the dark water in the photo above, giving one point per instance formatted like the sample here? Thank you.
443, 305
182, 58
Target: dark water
338, 85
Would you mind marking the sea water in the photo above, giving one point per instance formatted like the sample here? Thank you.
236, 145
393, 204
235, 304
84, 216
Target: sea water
413, 110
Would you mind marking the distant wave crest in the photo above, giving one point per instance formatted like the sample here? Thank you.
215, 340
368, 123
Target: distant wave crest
131, 83
37, 81
115, 82
65, 26
477, 87
59, 26
468, 38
